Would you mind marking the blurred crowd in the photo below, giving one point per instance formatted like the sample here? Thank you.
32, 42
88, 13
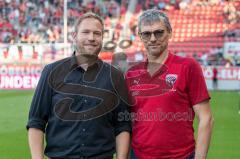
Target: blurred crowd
33, 21
215, 57
29, 21
41, 21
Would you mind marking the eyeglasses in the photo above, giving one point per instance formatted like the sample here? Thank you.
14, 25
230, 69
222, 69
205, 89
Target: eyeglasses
146, 35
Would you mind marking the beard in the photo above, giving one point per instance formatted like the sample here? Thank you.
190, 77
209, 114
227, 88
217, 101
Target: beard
81, 50
85, 56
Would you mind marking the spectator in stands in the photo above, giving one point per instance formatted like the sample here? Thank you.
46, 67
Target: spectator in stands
167, 84
230, 12
236, 59
35, 20
215, 78
181, 53
161, 5
222, 61
196, 57
204, 59
119, 60
184, 4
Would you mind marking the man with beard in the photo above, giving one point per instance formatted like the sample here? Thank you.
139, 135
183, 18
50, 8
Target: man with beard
167, 91
76, 103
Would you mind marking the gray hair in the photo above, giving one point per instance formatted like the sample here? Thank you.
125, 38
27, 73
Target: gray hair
89, 15
153, 15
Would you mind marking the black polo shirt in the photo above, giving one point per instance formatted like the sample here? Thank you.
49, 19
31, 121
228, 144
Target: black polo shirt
79, 110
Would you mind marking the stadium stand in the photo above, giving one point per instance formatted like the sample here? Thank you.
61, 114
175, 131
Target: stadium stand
199, 26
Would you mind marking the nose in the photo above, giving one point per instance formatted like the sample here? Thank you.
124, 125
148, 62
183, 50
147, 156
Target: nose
91, 36
152, 38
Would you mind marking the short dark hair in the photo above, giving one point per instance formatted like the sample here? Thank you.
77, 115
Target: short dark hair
89, 15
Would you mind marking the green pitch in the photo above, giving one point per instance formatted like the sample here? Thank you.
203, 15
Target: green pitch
14, 106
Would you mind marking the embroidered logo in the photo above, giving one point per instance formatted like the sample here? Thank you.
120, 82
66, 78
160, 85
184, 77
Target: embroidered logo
171, 79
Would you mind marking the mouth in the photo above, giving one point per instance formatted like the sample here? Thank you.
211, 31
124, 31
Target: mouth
90, 46
153, 46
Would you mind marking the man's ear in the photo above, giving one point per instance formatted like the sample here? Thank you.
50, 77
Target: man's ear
170, 35
139, 33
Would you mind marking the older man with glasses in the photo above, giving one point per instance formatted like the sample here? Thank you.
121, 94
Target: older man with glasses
167, 91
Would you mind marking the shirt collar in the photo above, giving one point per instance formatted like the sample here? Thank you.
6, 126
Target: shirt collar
74, 63
164, 66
